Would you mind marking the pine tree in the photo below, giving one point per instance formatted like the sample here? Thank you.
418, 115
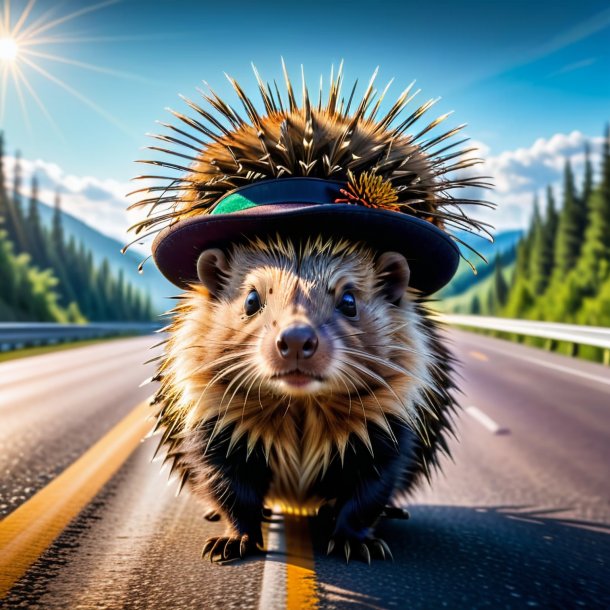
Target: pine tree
8, 276
570, 230
475, 306
57, 230
4, 210
500, 287
535, 253
36, 238
15, 226
542, 255
587, 187
57, 256
593, 265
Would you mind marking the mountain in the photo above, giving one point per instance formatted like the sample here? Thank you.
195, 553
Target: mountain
503, 246
150, 281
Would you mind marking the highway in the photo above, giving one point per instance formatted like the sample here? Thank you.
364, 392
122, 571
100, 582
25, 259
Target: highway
519, 519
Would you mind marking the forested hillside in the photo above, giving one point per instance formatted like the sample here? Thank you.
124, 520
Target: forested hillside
46, 276
562, 271
562, 268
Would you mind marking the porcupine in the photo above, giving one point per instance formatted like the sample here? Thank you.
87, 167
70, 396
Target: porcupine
302, 365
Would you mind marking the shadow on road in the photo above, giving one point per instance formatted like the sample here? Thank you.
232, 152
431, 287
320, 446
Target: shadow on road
476, 557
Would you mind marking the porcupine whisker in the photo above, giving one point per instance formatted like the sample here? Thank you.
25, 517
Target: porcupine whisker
220, 422
287, 406
374, 396
408, 350
216, 378
381, 410
221, 343
235, 381
206, 366
247, 373
355, 386
361, 402
382, 361
394, 329
378, 360
355, 334
380, 380
349, 395
254, 379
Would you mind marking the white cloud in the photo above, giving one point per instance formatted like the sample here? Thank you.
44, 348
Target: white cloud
100, 203
520, 174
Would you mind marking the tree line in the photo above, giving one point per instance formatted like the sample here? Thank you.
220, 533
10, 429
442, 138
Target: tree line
562, 269
46, 276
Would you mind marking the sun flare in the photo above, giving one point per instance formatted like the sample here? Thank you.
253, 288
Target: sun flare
25, 40
8, 49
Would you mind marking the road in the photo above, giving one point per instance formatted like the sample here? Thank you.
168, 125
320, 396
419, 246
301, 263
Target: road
519, 519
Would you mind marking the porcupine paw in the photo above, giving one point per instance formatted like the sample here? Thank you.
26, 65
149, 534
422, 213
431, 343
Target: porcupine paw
362, 549
229, 548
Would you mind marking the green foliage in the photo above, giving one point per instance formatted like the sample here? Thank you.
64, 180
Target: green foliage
45, 278
28, 293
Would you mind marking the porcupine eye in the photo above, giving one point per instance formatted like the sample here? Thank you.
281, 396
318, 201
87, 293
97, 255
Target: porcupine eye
253, 303
347, 304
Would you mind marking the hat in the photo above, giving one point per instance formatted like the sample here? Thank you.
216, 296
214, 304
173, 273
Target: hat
304, 171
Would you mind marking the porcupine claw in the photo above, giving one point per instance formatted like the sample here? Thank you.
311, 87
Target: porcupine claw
367, 548
229, 548
212, 515
383, 547
364, 551
395, 512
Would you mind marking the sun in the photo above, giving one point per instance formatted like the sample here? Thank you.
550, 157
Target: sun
8, 49
25, 41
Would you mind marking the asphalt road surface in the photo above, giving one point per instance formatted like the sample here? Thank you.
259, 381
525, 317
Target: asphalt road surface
519, 519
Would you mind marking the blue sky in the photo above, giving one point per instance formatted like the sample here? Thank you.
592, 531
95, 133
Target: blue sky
516, 72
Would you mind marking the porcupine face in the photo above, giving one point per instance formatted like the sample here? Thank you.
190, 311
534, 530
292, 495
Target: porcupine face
276, 323
306, 311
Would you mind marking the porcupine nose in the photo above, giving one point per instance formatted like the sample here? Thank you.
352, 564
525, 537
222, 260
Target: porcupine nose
297, 341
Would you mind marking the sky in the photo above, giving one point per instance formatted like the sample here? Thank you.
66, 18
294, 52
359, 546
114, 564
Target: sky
530, 78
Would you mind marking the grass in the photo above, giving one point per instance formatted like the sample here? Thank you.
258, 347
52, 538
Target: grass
26, 352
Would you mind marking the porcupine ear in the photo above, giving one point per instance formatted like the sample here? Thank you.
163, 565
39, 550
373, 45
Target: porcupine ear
393, 272
213, 270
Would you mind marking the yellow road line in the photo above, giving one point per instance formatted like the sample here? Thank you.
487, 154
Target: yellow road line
28, 531
301, 587
479, 356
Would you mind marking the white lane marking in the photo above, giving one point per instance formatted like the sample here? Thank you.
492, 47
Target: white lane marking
486, 421
557, 367
273, 590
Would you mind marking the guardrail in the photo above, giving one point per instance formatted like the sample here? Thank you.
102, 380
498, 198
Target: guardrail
553, 332
16, 335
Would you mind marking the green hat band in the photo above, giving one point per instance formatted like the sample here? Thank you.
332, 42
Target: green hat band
289, 190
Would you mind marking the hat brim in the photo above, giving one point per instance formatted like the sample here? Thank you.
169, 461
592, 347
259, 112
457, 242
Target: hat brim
432, 255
